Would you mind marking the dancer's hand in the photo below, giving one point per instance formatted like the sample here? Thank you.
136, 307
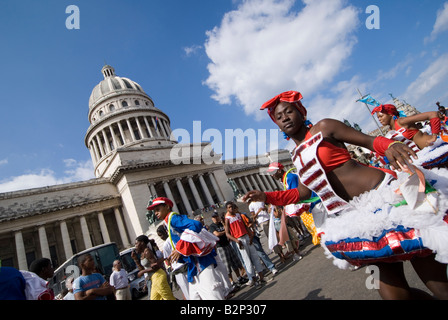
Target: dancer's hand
255, 195
174, 256
399, 155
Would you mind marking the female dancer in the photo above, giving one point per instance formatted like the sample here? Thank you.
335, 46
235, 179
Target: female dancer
435, 154
150, 266
367, 222
388, 115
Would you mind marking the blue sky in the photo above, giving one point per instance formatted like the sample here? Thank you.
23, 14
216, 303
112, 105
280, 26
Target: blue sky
214, 61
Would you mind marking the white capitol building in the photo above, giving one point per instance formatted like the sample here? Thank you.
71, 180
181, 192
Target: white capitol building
130, 141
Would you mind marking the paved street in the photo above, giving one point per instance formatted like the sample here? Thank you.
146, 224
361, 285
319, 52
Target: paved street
312, 278
316, 278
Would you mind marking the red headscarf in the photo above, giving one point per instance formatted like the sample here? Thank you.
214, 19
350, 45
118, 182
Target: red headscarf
386, 108
292, 97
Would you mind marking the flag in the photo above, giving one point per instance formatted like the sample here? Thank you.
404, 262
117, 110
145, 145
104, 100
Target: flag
402, 114
272, 235
369, 100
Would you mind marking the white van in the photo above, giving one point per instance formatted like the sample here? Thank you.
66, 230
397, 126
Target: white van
104, 256
137, 285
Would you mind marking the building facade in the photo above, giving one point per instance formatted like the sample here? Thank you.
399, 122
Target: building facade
131, 147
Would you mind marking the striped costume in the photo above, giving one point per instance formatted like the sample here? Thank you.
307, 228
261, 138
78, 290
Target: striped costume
394, 222
435, 156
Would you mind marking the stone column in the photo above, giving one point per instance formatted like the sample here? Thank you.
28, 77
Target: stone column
195, 192
273, 183
257, 187
167, 128
130, 130
85, 232
241, 185
205, 188
114, 139
20, 249
266, 182
66, 240
151, 135
180, 187
103, 227
95, 149
161, 128
164, 125
123, 137
216, 187
43, 242
142, 136
156, 129
152, 188
121, 229
248, 185
92, 153
100, 145
260, 183
106, 141
169, 195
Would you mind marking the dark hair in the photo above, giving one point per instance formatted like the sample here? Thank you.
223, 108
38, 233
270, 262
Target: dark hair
230, 203
142, 238
161, 229
83, 258
38, 265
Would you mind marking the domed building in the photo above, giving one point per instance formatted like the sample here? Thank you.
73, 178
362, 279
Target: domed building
135, 158
122, 115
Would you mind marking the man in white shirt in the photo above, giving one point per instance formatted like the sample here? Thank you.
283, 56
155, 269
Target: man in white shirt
259, 213
119, 280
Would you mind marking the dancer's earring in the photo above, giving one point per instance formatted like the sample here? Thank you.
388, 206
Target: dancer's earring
285, 136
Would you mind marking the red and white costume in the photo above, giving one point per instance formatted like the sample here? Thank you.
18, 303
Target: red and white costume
368, 229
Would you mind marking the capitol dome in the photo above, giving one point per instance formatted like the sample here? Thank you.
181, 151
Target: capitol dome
122, 116
112, 85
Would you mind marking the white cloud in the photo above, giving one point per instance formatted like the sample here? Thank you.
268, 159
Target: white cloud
441, 23
398, 69
265, 47
33, 180
341, 103
3, 161
78, 171
192, 50
430, 85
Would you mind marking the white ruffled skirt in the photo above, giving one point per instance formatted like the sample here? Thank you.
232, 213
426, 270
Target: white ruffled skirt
435, 156
374, 228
